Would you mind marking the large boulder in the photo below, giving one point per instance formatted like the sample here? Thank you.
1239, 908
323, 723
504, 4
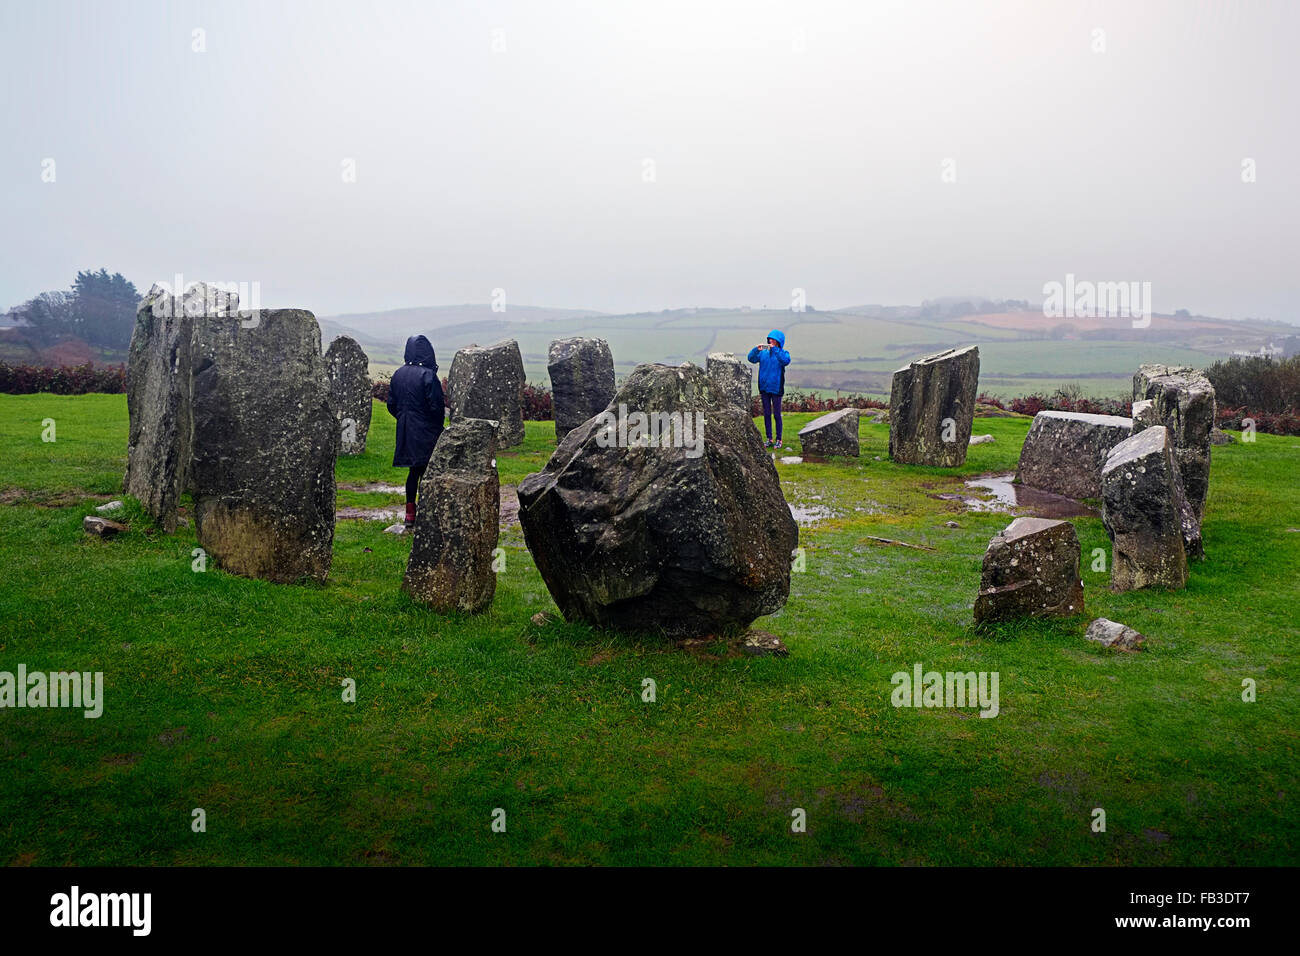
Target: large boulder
1031, 569
264, 445
1140, 509
734, 376
1064, 451
932, 406
457, 519
158, 397
835, 433
351, 392
582, 381
642, 521
1183, 402
488, 382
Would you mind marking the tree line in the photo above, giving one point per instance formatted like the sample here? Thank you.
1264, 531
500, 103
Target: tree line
99, 309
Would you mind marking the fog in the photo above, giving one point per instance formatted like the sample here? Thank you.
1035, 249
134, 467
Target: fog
630, 156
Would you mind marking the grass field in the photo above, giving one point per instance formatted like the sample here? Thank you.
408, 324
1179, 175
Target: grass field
224, 694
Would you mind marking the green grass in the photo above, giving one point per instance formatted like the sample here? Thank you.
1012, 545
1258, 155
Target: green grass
224, 693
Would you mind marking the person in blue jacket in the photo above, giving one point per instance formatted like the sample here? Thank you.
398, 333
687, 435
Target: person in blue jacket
415, 400
772, 359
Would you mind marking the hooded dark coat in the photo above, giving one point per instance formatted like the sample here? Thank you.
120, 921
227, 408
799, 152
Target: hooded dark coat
415, 400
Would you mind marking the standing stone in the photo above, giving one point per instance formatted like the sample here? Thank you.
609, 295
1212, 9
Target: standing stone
488, 382
457, 521
932, 407
1031, 569
158, 395
264, 445
644, 521
1064, 452
582, 381
833, 434
1183, 401
348, 369
1141, 512
734, 376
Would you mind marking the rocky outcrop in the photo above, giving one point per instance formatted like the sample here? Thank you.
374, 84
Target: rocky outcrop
456, 521
264, 445
644, 521
582, 381
734, 376
348, 369
1140, 509
932, 406
1031, 569
835, 433
1183, 402
488, 382
1064, 452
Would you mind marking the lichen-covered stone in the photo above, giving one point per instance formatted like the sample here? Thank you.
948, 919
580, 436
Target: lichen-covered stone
1031, 569
1064, 452
488, 382
734, 376
582, 380
1140, 509
351, 393
932, 407
1183, 401
835, 433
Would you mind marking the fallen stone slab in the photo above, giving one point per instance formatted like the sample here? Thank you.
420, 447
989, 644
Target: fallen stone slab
1141, 513
664, 514
582, 381
457, 517
932, 408
835, 433
351, 393
1113, 634
488, 383
1183, 401
101, 526
1031, 569
110, 507
733, 375
1064, 452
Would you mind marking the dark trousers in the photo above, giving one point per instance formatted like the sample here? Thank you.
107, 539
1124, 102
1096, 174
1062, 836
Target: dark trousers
413, 482
771, 406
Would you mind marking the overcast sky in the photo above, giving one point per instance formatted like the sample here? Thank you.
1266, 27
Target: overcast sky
508, 145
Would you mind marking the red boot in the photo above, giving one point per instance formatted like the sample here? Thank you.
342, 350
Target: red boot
410, 516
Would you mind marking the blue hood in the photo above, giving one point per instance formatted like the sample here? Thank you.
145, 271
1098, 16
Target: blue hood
420, 352
774, 334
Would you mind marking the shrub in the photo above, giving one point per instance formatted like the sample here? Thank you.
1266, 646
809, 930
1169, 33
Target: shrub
62, 379
1258, 383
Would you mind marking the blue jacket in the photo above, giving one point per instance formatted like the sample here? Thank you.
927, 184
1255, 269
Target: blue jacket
415, 400
771, 365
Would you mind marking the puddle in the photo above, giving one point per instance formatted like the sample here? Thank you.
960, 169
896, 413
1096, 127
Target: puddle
792, 460
376, 488
808, 515
370, 514
1010, 497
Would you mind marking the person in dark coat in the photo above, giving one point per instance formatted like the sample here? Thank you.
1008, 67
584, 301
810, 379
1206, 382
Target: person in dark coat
415, 400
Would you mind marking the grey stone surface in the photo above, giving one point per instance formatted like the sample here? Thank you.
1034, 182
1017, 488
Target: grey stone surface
488, 382
1031, 569
351, 392
659, 538
932, 406
456, 521
582, 380
1183, 401
835, 433
1065, 451
734, 376
102, 527
264, 445
1113, 634
1140, 509
981, 440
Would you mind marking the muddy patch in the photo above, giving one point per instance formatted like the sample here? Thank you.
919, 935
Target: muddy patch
999, 493
807, 515
375, 488
396, 513
509, 507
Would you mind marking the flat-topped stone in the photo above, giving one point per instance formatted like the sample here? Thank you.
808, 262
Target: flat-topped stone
835, 433
1064, 451
1031, 569
1141, 512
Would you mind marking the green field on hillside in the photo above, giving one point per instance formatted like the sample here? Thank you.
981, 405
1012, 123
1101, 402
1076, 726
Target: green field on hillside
223, 693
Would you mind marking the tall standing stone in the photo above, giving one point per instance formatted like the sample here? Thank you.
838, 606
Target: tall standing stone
582, 380
932, 408
734, 376
488, 382
457, 521
1031, 569
663, 514
351, 393
1140, 509
1183, 401
1064, 451
264, 445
